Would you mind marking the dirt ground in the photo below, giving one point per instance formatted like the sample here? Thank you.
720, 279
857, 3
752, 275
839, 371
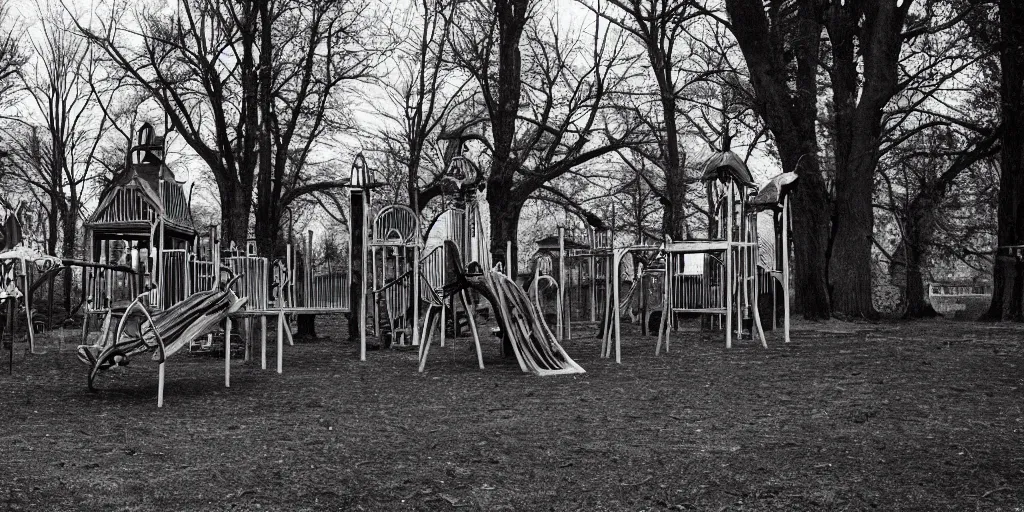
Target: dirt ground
891, 416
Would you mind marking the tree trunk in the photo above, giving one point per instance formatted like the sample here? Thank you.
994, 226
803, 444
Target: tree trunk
68, 251
268, 216
505, 212
1008, 270
850, 264
917, 302
861, 88
306, 327
674, 220
916, 243
791, 114
810, 219
235, 207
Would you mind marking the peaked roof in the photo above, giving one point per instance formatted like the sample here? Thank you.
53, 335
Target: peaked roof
118, 208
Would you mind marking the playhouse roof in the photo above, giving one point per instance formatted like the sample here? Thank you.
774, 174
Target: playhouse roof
134, 200
726, 164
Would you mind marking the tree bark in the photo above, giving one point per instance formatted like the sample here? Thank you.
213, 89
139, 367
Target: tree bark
920, 226
873, 30
791, 114
1008, 270
505, 213
235, 206
267, 211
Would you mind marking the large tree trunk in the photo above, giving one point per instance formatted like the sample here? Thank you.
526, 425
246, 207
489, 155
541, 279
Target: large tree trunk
850, 264
791, 115
234, 214
1008, 271
505, 212
268, 217
861, 89
916, 243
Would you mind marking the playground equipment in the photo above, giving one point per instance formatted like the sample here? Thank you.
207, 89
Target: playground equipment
395, 253
722, 275
23, 269
154, 280
612, 328
542, 273
536, 348
164, 333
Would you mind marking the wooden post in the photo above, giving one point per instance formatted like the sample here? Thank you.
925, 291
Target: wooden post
263, 341
227, 352
563, 327
160, 386
785, 268
358, 199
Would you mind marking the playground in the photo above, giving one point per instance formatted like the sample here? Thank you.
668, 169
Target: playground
514, 255
847, 416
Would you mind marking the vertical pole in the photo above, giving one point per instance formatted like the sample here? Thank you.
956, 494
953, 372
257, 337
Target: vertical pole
280, 341
563, 327
444, 322
508, 261
263, 341
160, 386
785, 268
415, 300
614, 306
215, 250
227, 352
728, 269
357, 266
307, 274
372, 252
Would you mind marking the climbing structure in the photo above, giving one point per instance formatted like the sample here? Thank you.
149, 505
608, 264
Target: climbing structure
395, 243
467, 266
143, 221
723, 274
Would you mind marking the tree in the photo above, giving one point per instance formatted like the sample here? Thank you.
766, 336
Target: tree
430, 100
198, 65
1008, 271
246, 84
661, 27
781, 48
568, 87
926, 168
58, 162
310, 54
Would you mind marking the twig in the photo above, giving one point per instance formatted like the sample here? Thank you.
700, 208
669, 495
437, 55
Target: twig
983, 496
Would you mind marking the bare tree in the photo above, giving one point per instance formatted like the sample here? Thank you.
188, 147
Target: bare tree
246, 84
311, 55
661, 28
429, 100
545, 93
55, 157
781, 45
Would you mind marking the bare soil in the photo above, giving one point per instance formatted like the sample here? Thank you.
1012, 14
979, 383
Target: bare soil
890, 416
